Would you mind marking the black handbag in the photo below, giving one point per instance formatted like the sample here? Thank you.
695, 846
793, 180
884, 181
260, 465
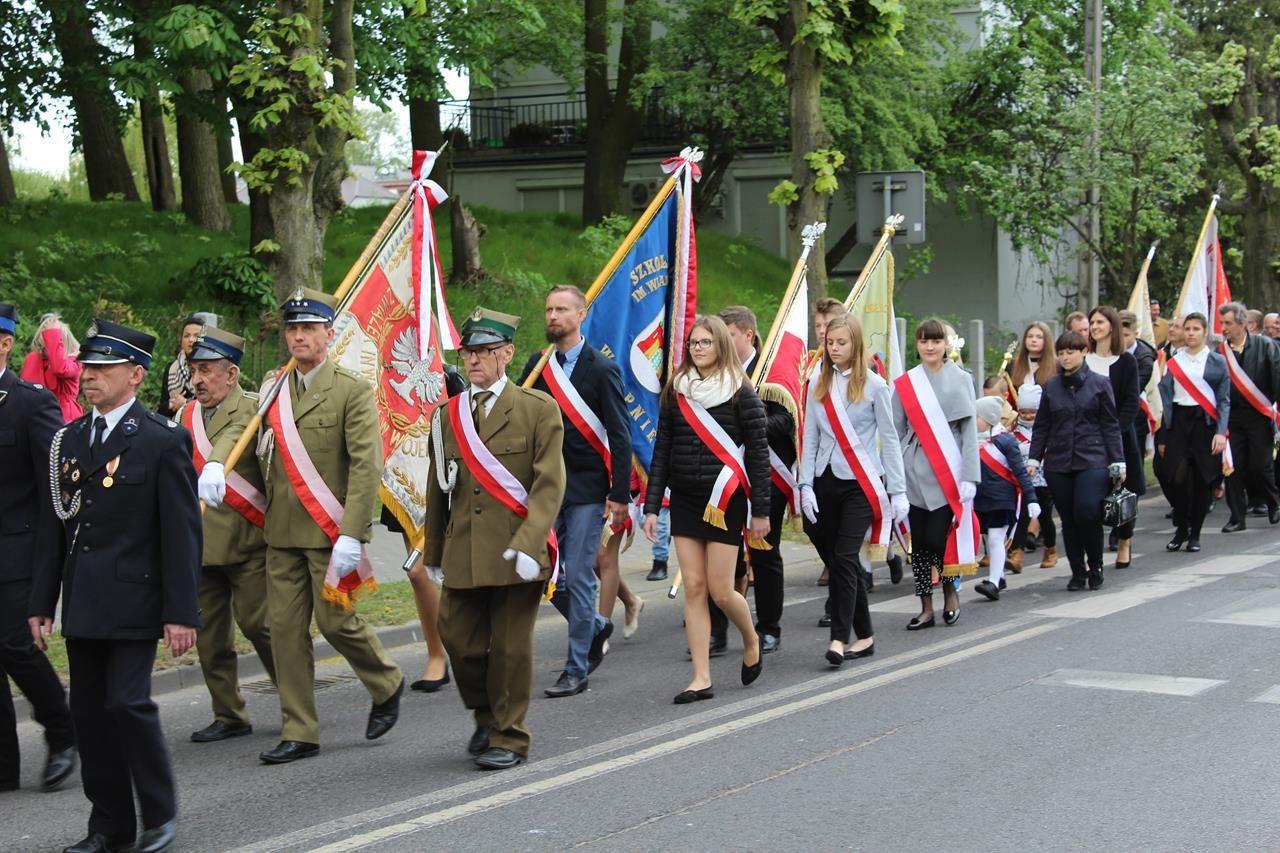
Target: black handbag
1119, 507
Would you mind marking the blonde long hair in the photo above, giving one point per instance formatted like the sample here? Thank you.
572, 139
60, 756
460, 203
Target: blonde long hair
857, 361
53, 320
1046, 368
727, 368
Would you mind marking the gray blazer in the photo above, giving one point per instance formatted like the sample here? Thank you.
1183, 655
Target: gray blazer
1215, 373
954, 389
872, 420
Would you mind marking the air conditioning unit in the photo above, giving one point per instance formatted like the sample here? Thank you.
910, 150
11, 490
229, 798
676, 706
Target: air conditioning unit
641, 193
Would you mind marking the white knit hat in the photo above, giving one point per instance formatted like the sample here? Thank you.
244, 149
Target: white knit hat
989, 409
1029, 397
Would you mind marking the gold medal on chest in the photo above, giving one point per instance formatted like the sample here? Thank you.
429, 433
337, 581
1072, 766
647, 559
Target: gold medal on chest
109, 480
75, 475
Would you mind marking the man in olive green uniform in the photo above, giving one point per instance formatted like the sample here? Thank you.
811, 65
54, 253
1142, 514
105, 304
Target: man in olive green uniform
493, 559
233, 577
322, 459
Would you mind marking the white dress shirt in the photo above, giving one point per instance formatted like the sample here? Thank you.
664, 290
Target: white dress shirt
872, 420
1193, 365
113, 417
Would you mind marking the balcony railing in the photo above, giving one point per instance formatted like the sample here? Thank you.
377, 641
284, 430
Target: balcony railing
542, 121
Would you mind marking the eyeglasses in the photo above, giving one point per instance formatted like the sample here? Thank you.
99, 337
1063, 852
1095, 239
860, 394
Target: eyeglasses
479, 352
701, 343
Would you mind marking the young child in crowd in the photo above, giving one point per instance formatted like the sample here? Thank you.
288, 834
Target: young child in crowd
1028, 406
1005, 484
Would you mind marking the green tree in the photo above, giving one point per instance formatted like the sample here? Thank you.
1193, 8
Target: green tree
25, 78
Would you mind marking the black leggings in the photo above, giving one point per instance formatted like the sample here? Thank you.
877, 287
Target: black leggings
1048, 530
844, 515
929, 531
1078, 496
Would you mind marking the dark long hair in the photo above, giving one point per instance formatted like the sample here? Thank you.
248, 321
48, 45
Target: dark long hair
1117, 337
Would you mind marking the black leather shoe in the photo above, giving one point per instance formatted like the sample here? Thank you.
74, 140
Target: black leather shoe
751, 673
479, 741
916, 625
289, 750
384, 715
951, 617
769, 644
1175, 543
497, 758
988, 590
1233, 526
159, 839
895, 569
824, 621
1273, 515
658, 572
431, 685
1076, 584
58, 767
834, 658
96, 842
1095, 580
869, 580
1258, 511
1193, 546
1002, 584
865, 653
566, 685
1113, 540
218, 730
688, 697
596, 653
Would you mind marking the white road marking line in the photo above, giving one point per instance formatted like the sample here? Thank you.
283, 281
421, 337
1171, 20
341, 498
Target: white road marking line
1270, 696
1254, 617
1094, 605
592, 771
1130, 682
1233, 564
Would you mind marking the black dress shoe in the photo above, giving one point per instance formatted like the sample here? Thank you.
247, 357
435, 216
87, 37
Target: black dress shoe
218, 730
159, 839
1113, 540
769, 644
595, 654
824, 621
1175, 543
566, 685
1095, 579
58, 767
1233, 526
834, 658
431, 685
1126, 564
751, 673
497, 758
96, 842
988, 590
869, 580
1258, 511
895, 569
1273, 515
383, 715
1076, 584
688, 697
1193, 546
718, 647
658, 572
864, 653
951, 617
479, 741
1002, 584
289, 750
916, 625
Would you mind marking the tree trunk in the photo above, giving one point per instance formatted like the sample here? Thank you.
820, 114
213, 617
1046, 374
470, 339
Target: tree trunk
8, 193
86, 82
1261, 253
425, 132
225, 158
842, 247
464, 237
155, 146
423, 84
713, 172
202, 200
804, 85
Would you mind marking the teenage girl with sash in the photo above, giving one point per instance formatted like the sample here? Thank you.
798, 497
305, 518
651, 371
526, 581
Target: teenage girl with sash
934, 417
847, 489
712, 452
1196, 392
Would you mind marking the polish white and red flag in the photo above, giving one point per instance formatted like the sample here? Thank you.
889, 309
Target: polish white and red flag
1205, 286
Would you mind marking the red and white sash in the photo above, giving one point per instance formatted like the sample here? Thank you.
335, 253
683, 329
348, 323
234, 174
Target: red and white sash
995, 460
1244, 384
785, 479
319, 501
577, 410
923, 411
491, 474
242, 496
1203, 394
733, 475
1145, 405
861, 463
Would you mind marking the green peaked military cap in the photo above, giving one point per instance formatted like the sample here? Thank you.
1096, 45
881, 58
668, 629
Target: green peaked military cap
486, 326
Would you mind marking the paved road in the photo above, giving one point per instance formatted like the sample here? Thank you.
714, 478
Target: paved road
1136, 717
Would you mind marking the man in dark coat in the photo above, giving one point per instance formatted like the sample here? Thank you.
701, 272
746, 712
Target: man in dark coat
29, 416
1252, 433
126, 494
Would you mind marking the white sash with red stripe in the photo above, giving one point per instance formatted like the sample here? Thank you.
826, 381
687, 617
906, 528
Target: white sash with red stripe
994, 459
1145, 405
923, 411
1203, 394
861, 463
577, 410
1245, 385
733, 475
242, 496
491, 474
785, 479
315, 496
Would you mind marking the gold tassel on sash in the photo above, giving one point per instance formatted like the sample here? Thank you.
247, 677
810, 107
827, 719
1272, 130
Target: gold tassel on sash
714, 515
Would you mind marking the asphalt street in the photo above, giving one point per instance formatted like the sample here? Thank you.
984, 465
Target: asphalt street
1136, 717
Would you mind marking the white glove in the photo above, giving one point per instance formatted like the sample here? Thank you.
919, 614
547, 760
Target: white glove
1117, 470
968, 491
436, 574
900, 507
346, 555
809, 504
212, 485
1033, 510
526, 567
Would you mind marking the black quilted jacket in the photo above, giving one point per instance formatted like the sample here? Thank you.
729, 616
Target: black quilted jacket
682, 462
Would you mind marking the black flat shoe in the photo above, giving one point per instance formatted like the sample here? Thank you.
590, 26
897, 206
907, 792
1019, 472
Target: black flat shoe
497, 758
479, 741
1193, 546
58, 767
951, 617
384, 715
688, 697
751, 673
864, 653
1076, 584
988, 590
1126, 564
218, 730
96, 842
895, 569
916, 625
596, 653
158, 839
289, 750
1273, 515
834, 658
1233, 526
431, 685
1095, 580
824, 621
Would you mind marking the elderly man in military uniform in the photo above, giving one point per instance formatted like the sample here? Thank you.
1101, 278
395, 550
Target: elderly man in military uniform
29, 417
498, 479
126, 494
322, 460
233, 579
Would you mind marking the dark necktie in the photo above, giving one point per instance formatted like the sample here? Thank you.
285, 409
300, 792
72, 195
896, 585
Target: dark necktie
481, 398
560, 357
99, 432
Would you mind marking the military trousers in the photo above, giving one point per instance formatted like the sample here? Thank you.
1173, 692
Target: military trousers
295, 583
488, 632
232, 595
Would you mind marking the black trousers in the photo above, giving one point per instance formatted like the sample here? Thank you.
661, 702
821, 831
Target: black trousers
766, 568
1078, 496
844, 515
1251, 446
32, 672
122, 748
1048, 531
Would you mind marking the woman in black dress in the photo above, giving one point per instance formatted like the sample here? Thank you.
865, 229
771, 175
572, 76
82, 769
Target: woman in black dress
709, 395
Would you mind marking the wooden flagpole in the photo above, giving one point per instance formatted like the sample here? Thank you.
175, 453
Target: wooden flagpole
882, 245
808, 238
1195, 254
